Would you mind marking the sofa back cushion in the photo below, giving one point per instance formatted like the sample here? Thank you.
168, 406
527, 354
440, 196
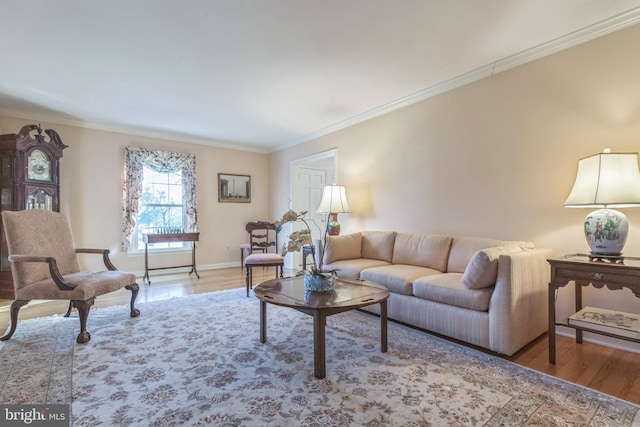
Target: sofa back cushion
424, 250
348, 246
378, 245
482, 271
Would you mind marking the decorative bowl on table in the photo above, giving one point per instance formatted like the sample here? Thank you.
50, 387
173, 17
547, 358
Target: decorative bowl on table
319, 282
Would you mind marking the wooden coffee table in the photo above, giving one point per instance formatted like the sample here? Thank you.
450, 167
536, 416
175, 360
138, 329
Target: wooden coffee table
348, 294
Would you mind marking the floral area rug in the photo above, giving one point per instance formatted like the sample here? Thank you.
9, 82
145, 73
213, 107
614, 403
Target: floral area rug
36, 363
198, 361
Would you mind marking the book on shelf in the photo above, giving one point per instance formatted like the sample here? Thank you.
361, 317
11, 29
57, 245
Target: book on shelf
613, 322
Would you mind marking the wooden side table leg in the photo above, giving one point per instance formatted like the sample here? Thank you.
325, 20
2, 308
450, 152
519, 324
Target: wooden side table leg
193, 261
552, 324
319, 351
146, 265
578, 290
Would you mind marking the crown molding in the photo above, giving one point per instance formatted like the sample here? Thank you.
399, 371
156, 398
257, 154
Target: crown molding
591, 32
602, 28
131, 130
607, 26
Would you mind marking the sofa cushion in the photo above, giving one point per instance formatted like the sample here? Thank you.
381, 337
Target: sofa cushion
482, 270
431, 251
447, 288
353, 267
397, 277
378, 245
348, 246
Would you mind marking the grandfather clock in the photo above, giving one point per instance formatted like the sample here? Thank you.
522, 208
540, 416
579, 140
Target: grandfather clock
29, 179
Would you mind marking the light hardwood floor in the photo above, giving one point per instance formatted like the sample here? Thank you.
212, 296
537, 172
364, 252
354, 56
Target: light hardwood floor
611, 371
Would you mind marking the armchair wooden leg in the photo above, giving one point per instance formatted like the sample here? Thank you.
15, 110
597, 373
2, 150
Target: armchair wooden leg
83, 311
68, 313
134, 288
15, 308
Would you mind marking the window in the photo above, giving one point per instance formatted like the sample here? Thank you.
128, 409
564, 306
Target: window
160, 209
158, 197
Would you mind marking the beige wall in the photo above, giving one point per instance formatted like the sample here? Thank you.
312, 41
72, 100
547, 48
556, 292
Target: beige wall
495, 158
91, 194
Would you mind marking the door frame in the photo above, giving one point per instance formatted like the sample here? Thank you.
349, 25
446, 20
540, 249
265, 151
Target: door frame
317, 161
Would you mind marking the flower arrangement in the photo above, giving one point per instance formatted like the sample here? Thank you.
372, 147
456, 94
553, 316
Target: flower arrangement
300, 238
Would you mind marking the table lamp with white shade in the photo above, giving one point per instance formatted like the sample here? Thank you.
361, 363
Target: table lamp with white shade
606, 180
334, 201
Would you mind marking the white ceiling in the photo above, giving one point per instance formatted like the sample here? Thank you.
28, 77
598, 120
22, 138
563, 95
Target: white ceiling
265, 74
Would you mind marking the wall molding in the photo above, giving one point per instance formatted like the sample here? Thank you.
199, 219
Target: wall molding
131, 130
591, 32
602, 28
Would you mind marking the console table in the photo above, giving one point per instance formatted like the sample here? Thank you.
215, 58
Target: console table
584, 271
165, 238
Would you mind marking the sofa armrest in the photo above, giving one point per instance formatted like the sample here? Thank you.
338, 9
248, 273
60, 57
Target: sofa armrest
518, 307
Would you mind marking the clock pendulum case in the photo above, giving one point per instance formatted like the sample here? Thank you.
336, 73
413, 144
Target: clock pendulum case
29, 179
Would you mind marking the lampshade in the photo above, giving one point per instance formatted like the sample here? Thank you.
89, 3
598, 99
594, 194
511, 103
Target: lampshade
334, 200
606, 180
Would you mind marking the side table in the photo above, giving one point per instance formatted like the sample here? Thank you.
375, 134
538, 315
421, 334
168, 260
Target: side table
169, 237
584, 272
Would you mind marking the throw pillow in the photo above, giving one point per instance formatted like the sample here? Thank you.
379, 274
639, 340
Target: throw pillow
482, 270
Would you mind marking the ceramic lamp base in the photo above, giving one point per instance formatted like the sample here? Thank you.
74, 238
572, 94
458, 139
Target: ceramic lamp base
606, 231
333, 227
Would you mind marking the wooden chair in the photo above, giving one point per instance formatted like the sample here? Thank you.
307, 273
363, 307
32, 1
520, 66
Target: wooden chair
262, 236
45, 266
246, 247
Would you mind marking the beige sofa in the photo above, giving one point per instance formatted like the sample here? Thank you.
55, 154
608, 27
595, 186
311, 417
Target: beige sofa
489, 293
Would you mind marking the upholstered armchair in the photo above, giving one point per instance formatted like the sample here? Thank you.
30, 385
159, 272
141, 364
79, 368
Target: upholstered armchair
45, 266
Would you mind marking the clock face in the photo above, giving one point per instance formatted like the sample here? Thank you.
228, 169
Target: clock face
39, 166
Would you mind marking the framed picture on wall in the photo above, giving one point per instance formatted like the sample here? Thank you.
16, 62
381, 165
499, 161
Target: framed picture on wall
234, 188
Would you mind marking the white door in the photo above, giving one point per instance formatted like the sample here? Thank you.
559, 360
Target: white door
311, 184
309, 175
308, 187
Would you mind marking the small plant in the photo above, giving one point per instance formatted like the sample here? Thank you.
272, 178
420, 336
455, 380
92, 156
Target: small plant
301, 238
